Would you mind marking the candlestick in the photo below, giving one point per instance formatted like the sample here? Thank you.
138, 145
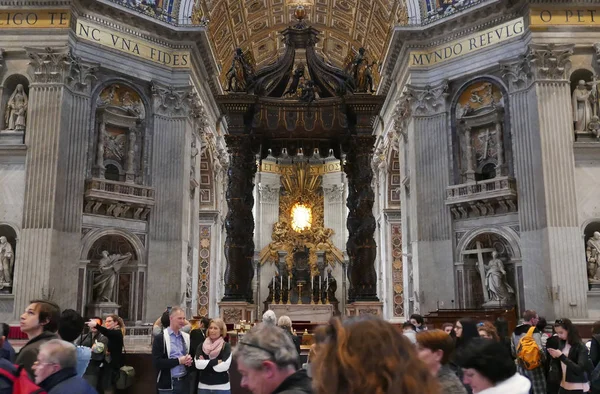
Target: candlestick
273, 286
289, 295
320, 296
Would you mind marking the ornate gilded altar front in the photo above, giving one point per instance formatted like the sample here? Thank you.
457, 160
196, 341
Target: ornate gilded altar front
301, 248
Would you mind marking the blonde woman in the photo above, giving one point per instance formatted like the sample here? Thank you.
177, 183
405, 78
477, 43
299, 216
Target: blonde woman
213, 359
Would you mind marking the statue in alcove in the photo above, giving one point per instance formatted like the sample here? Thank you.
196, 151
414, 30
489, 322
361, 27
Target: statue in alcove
105, 281
7, 263
592, 252
329, 287
495, 281
16, 110
582, 106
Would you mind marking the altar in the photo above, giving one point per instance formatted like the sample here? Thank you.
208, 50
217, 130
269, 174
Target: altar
304, 312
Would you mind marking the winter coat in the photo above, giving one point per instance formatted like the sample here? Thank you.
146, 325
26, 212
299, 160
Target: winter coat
28, 354
297, 383
517, 384
66, 381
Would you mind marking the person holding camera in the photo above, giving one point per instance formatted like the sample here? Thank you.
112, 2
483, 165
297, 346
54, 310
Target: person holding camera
98, 343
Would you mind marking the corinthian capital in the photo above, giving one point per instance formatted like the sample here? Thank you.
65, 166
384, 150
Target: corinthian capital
173, 101
82, 75
550, 62
49, 65
428, 100
597, 48
517, 73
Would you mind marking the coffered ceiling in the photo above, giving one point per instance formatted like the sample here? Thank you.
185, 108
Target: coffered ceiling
345, 25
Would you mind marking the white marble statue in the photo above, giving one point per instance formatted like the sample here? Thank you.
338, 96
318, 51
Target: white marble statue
7, 263
495, 280
16, 110
592, 252
582, 107
104, 282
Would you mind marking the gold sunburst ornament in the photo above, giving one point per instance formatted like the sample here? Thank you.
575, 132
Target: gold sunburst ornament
301, 217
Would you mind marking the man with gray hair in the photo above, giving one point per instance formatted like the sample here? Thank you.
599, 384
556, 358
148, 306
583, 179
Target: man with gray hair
269, 317
55, 371
267, 360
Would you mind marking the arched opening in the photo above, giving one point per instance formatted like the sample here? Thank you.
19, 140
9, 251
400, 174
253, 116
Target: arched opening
8, 247
591, 237
490, 274
112, 173
13, 117
115, 279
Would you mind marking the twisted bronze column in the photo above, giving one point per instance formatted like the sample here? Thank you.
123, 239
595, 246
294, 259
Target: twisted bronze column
239, 222
361, 224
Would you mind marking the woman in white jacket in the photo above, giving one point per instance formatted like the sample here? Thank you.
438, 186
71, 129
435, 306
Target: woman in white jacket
489, 369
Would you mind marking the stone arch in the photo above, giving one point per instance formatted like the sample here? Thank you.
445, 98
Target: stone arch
8, 86
11, 232
472, 118
475, 247
130, 282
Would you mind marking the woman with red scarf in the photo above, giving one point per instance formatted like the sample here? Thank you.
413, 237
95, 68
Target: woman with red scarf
213, 359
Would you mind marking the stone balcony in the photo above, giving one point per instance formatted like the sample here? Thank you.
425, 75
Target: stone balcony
484, 198
118, 199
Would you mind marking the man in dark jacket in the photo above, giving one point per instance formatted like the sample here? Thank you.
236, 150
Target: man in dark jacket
55, 369
39, 322
267, 359
170, 355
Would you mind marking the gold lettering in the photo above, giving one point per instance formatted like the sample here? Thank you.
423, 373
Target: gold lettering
42, 19
572, 16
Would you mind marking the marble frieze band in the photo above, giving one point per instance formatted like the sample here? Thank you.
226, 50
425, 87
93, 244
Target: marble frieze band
468, 44
132, 45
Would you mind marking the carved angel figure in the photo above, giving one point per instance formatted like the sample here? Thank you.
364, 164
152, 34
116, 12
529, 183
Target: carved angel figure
362, 72
16, 109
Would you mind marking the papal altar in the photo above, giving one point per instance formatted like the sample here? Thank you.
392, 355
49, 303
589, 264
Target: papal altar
306, 313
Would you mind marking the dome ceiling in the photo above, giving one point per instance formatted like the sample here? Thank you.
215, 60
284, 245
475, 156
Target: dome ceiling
345, 25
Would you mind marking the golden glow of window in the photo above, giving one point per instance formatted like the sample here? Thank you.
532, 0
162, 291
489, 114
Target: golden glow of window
301, 217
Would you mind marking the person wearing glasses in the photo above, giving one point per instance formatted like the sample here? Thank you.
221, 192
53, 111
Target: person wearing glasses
55, 369
573, 356
213, 359
267, 360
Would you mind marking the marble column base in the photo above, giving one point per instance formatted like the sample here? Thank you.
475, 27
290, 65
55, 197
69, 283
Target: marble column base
11, 137
233, 311
103, 309
362, 308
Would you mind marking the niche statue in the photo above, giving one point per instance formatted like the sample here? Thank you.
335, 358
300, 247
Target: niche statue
592, 253
7, 263
495, 281
16, 110
104, 282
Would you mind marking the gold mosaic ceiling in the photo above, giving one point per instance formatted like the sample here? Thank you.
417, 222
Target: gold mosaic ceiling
345, 25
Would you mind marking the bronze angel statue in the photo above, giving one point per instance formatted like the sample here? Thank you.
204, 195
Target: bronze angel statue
240, 72
362, 71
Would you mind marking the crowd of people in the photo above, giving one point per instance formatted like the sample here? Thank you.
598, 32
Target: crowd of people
356, 355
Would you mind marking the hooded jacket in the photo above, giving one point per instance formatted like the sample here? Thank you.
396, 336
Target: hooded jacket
517, 384
297, 383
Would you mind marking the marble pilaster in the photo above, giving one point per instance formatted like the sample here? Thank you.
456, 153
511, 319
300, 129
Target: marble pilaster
429, 226
51, 228
554, 272
173, 126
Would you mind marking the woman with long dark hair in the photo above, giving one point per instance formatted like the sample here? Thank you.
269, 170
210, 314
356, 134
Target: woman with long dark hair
114, 330
466, 331
573, 357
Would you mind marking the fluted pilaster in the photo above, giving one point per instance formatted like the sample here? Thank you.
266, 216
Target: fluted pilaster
47, 134
554, 272
173, 127
334, 216
428, 166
